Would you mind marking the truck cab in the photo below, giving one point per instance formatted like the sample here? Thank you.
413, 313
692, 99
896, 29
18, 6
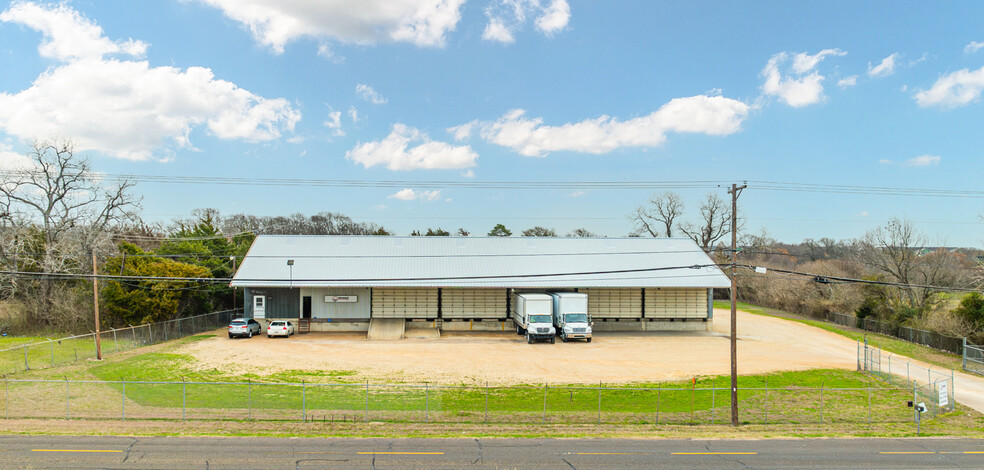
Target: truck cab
533, 314
570, 316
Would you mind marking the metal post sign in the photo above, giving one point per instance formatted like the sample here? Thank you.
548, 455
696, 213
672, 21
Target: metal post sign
944, 396
341, 298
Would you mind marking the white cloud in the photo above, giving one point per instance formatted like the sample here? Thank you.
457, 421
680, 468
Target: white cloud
554, 17
863, 214
409, 194
885, 161
13, 161
803, 62
334, 122
848, 81
67, 34
802, 86
712, 115
974, 46
923, 160
274, 23
126, 108
508, 16
468, 174
367, 93
883, 69
396, 153
463, 131
354, 114
496, 30
952, 90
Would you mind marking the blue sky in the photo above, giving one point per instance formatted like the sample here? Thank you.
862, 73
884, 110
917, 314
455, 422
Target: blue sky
843, 93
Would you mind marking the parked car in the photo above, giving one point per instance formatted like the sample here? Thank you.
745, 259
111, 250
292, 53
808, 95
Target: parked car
244, 327
280, 328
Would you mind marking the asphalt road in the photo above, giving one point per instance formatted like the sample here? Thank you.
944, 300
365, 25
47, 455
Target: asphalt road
305, 453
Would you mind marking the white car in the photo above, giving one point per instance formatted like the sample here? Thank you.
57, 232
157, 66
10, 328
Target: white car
280, 328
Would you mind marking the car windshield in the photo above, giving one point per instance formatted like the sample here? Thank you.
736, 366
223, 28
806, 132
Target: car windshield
238, 323
576, 317
540, 319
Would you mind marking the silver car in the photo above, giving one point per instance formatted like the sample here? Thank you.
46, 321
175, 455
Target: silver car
243, 327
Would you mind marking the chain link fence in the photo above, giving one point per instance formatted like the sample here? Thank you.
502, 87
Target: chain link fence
364, 402
935, 387
973, 358
75, 348
926, 338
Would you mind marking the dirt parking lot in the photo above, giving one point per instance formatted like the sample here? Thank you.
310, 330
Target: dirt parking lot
765, 344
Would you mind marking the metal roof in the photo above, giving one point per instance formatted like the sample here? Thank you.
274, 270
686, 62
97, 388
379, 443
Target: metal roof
518, 262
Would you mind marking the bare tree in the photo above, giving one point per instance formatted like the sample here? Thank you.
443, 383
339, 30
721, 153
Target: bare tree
715, 222
539, 232
56, 212
658, 217
581, 232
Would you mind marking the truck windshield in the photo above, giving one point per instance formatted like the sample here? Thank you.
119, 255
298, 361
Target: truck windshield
540, 319
576, 318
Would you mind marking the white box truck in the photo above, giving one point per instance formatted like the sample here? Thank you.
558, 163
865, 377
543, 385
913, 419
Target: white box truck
533, 314
570, 316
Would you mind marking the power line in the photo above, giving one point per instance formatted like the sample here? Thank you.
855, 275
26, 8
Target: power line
826, 279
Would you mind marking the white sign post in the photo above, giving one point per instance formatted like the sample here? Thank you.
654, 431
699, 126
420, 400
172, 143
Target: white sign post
944, 396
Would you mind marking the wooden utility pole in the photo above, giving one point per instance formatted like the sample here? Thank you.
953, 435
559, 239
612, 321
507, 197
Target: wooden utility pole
735, 191
95, 303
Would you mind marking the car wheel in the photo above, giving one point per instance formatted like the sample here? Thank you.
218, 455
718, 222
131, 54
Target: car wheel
589, 340
249, 334
268, 335
230, 335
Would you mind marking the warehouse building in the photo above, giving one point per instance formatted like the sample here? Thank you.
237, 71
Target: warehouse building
343, 283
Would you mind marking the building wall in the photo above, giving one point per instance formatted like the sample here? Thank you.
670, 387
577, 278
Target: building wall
327, 309
280, 302
471, 303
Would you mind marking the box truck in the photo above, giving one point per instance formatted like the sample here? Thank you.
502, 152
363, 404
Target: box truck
533, 314
570, 316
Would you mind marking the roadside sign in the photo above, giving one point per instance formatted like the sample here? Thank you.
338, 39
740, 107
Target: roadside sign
944, 396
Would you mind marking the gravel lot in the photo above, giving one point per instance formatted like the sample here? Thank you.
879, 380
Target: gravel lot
765, 344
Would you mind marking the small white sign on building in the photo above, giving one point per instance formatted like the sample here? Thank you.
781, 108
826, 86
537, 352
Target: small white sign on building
944, 395
341, 298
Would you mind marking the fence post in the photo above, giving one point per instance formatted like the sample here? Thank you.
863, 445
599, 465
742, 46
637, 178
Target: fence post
116, 344
766, 401
133, 330
599, 402
544, 402
426, 402
486, 402
184, 396
713, 411
26, 366
150, 333
367, 401
929, 374
657, 403
964, 351
123, 401
821, 402
68, 411
859, 354
76, 348
303, 401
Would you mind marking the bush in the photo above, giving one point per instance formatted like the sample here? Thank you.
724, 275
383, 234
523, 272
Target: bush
971, 310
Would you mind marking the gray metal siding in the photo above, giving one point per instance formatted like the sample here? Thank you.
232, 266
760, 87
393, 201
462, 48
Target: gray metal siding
280, 302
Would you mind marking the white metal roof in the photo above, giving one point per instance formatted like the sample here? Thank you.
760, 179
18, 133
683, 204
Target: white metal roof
518, 262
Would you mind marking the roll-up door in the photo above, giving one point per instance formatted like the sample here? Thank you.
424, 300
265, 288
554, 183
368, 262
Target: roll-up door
473, 303
614, 303
676, 303
394, 302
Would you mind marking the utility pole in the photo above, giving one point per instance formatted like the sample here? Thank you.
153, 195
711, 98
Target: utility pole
95, 303
734, 192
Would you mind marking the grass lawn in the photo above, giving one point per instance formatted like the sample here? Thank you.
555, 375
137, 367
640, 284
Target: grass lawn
887, 343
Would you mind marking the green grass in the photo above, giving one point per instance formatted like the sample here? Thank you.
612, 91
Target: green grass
887, 343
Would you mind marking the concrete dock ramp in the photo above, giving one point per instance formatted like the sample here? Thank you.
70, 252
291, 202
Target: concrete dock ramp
383, 329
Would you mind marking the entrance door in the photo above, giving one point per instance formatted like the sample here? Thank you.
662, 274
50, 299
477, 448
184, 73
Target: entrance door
259, 306
306, 307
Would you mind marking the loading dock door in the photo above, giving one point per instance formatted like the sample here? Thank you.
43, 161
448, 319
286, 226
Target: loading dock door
676, 303
398, 302
614, 303
473, 303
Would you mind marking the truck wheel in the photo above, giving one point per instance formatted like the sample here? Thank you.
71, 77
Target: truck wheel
589, 340
519, 330
529, 339
553, 339
563, 338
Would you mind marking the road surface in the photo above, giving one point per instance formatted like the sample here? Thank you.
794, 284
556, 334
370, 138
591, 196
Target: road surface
308, 453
